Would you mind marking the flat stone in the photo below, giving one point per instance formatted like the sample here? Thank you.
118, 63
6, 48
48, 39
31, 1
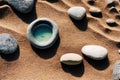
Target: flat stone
116, 71
8, 44
111, 22
95, 52
42, 33
77, 13
112, 3
94, 9
113, 10
71, 59
96, 12
23, 6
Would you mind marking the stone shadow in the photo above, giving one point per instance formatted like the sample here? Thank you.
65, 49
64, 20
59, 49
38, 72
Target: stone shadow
98, 64
28, 17
75, 70
11, 57
49, 52
81, 24
97, 15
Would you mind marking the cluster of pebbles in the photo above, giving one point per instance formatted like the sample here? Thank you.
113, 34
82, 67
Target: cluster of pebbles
95, 52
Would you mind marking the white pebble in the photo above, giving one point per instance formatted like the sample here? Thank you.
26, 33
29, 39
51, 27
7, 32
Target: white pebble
77, 13
109, 21
71, 59
95, 52
94, 10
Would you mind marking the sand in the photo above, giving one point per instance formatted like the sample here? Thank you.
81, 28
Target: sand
35, 64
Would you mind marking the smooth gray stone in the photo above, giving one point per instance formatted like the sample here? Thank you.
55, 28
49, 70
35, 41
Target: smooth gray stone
8, 44
23, 6
116, 71
77, 12
44, 44
95, 52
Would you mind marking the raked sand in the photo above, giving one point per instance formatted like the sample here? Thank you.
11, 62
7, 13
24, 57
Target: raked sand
34, 64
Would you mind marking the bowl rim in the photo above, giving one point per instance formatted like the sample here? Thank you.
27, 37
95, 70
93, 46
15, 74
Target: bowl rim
36, 42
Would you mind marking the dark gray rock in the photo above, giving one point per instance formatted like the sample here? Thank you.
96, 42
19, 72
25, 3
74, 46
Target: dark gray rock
8, 44
23, 6
116, 71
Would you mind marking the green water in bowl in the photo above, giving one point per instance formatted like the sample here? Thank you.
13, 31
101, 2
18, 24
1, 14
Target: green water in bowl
42, 33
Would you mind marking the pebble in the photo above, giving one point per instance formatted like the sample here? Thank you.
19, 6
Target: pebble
112, 3
77, 13
95, 52
113, 10
8, 44
71, 59
119, 51
111, 22
116, 71
23, 6
96, 12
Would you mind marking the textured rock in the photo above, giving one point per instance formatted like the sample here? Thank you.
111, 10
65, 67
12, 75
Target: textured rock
95, 52
23, 6
42, 44
77, 13
8, 44
116, 71
71, 59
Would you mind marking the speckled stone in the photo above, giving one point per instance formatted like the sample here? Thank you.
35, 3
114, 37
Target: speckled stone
116, 71
8, 44
23, 6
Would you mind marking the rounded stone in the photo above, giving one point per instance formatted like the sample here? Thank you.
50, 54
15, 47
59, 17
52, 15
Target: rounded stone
112, 3
116, 71
42, 33
71, 59
8, 44
94, 10
111, 22
77, 13
95, 52
113, 10
23, 6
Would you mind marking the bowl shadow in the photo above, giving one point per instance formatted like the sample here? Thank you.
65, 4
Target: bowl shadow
49, 52
81, 24
27, 17
75, 70
98, 64
11, 57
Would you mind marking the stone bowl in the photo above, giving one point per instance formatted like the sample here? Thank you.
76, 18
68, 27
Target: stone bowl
42, 33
